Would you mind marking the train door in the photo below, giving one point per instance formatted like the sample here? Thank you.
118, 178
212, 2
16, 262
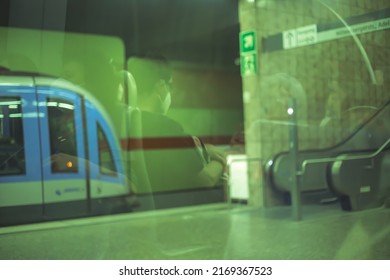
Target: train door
65, 182
20, 174
108, 181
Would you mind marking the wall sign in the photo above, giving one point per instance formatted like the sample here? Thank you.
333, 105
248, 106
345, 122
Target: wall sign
248, 53
317, 33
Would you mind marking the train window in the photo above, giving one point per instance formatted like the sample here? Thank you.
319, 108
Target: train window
106, 160
62, 133
12, 158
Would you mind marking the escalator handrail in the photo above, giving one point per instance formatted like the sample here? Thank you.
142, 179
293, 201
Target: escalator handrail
342, 142
345, 157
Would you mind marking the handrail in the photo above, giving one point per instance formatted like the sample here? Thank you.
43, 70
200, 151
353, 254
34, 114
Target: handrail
346, 157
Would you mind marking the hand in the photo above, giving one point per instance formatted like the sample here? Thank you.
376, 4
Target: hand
216, 154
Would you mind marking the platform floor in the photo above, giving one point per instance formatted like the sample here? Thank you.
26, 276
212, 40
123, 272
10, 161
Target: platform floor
218, 231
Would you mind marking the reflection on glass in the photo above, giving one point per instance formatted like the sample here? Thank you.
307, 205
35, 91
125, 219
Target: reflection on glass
174, 159
331, 56
106, 160
12, 157
62, 134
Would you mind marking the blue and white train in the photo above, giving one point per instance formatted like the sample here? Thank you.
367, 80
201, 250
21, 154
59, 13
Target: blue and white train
59, 156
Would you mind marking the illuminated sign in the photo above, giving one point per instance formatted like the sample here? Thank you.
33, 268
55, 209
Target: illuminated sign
248, 51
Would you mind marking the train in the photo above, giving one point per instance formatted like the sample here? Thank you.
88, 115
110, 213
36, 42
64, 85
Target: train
59, 156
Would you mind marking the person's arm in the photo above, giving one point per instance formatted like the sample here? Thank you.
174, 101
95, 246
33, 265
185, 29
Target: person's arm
211, 174
213, 171
216, 154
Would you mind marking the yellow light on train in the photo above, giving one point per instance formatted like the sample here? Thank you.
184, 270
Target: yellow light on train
69, 164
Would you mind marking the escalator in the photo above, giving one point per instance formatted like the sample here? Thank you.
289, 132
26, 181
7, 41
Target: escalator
356, 170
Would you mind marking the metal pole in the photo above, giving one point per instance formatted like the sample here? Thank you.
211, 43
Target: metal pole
293, 143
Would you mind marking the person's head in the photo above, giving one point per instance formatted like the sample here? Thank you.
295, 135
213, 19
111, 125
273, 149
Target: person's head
153, 81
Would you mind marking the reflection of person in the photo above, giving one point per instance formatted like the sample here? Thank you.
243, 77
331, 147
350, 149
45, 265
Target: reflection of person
334, 104
94, 72
173, 158
276, 90
341, 113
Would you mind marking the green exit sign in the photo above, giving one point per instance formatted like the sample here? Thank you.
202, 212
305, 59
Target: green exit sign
247, 41
248, 53
248, 64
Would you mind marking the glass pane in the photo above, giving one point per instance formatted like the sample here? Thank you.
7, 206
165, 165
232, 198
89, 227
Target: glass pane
62, 135
198, 94
12, 157
106, 160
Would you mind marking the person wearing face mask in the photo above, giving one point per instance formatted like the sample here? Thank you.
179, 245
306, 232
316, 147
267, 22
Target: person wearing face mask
173, 158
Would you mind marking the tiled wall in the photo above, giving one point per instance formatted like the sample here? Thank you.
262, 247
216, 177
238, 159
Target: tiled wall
336, 67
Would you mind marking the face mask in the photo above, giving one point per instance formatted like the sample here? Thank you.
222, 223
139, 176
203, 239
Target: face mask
166, 103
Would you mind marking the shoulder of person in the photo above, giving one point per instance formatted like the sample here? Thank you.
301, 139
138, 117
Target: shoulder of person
161, 123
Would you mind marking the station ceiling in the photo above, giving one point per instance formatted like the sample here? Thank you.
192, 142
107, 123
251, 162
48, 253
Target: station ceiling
201, 32
195, 31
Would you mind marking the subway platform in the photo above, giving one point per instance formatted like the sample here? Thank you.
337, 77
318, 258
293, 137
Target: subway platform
211, 232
